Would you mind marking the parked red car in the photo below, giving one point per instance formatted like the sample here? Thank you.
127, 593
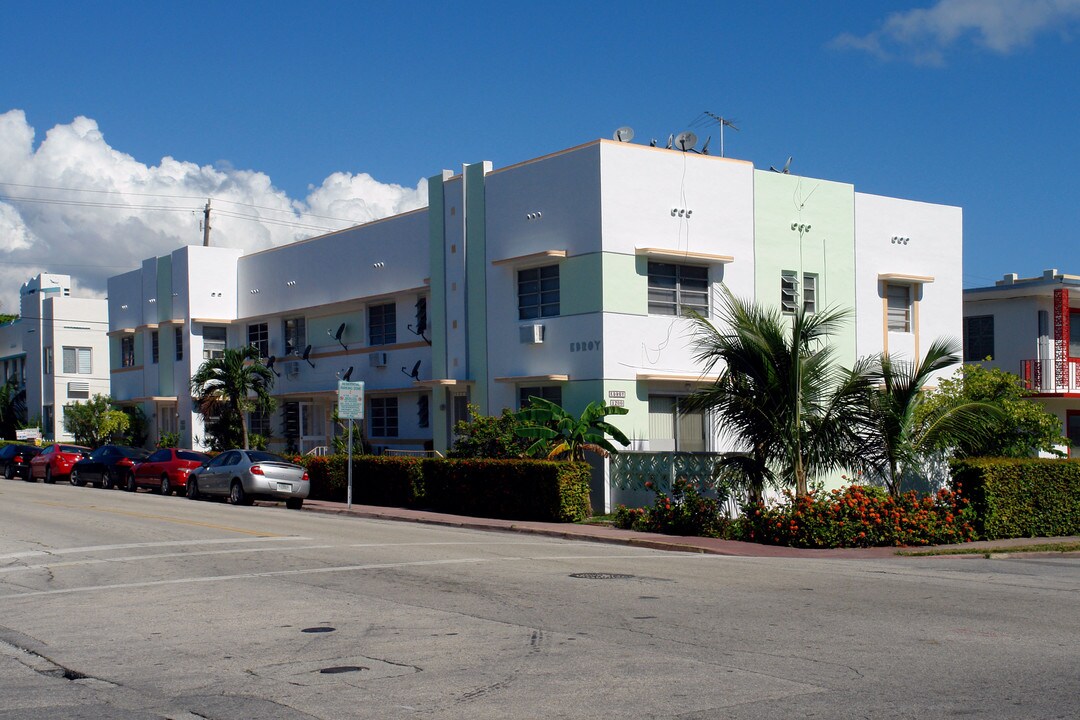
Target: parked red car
56, 461
166, 469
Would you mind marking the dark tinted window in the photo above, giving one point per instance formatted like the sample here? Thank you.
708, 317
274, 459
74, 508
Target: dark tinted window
160, 456
260, 456
68, 448
187, 455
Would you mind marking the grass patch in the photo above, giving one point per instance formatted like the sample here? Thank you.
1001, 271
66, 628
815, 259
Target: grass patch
1062, 547
606, 520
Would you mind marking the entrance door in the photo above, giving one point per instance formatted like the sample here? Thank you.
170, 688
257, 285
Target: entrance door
312, 426
459, 410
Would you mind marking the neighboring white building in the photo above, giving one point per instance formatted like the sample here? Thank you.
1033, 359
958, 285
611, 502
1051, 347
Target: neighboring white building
1031, 327
561, 276
58, 347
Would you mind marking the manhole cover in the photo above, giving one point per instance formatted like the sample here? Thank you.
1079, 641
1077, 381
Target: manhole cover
342, 669
318, 629
600, 576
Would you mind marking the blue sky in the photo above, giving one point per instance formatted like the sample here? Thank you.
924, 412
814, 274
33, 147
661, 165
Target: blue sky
287, 105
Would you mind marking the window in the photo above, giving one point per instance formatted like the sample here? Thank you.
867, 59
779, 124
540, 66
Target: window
673, 289
259, 424
179, 343
77, 361
899, 307
423, 416
47, 426
155, 346
421, 316
672, 429
163, 455
384, 417
295, 332
213, 342
46, 361
538, 292
382, 324
790, 292
551, 393
1072, 430
978, 337
127, 351
259, 338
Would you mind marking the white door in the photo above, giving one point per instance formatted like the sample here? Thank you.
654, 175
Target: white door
312, 426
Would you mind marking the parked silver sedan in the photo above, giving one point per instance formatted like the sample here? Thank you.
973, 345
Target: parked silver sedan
245, 475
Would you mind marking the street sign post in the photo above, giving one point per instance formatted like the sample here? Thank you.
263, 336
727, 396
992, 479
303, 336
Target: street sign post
350, 407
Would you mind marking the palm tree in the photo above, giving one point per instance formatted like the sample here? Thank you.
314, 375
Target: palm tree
223, 387
779, 391
897, 434
557, 433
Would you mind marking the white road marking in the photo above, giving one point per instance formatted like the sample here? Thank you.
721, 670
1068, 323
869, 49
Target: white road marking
131, 546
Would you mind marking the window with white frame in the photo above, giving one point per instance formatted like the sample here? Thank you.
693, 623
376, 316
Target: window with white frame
259, 424
423, 413
673, 289
809, 293
127, 351
295, 331
382, 324
179, 333
538, 292
213, 341
155, 346
384, 417
259, 338
78, 361
791, 294
46, 361
898, 303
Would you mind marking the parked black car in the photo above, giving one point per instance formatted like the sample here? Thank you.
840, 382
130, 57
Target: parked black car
108, 466
15, 459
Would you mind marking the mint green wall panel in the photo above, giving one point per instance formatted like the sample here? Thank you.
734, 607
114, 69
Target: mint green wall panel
476, 283
581, 287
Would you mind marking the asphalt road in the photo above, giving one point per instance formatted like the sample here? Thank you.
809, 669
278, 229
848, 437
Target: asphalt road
137, 606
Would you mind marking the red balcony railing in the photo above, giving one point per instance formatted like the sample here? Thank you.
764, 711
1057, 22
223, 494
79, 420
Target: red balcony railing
1041, 376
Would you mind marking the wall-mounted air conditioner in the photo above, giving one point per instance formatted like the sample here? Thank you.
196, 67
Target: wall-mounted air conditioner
292, 370
532, 334
378, 359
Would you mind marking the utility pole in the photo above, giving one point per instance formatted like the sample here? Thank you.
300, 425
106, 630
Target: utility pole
206, 224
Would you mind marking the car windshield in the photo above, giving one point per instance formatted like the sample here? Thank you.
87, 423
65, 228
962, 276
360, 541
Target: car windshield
132, 452
188, 455
260, 456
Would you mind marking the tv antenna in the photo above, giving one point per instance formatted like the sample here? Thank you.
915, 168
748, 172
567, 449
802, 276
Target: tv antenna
624, 134
708, 118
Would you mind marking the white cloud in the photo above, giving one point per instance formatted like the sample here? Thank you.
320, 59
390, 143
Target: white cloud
110, 211
1001, 26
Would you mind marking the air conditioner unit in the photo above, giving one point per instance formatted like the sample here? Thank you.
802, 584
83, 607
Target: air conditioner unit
378, 359
532, 334
292, 370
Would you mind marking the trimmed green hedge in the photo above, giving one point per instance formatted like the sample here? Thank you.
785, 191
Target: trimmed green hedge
1021, 498
506, 489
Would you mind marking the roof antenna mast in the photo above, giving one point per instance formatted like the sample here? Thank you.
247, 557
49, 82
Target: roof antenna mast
722, 122
206, 224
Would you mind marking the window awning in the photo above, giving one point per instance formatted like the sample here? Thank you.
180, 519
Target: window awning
905, 278
675, 255
536, 257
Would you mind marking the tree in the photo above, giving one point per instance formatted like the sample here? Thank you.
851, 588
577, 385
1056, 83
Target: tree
223, 388
556, 433
899, 430
1020, 428
780, 392
95, 422
12, 407
488, 436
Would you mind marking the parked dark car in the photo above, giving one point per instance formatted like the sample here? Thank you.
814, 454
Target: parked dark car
166, 469
15, 459
244, 475
55, 461
108, 466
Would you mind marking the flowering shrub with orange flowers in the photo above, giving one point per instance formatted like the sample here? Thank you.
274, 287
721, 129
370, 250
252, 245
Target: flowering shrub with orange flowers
685, 512
859, 516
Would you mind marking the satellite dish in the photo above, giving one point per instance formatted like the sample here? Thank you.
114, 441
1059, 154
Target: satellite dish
307, 356
685, 141
270, 365
338, 334
415, 374
624, 134
347, 375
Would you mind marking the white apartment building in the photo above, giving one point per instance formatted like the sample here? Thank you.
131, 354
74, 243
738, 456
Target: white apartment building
58, 348
562, 276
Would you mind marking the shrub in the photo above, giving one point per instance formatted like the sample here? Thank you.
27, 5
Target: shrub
860, 516
686, 512
1021, 498
510, 489
377, 479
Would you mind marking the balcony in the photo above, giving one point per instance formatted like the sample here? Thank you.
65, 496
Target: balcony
1042, 376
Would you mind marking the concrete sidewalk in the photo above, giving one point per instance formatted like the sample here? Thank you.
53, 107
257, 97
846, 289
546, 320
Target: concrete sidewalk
605, 534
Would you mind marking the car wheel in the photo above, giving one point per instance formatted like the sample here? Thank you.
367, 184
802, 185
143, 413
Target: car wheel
192, 488
294, 503
48, 475
9, 472
166, 488
106, 480
130, 485
237, 496
74, 477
